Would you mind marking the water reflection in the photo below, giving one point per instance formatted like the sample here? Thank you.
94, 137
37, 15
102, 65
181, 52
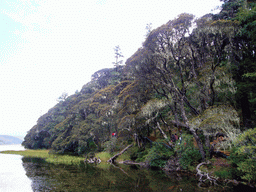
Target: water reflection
12, 174
33, 174
11, 147
48, 177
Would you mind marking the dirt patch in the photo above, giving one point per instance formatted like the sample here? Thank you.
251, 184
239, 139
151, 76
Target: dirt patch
221, 162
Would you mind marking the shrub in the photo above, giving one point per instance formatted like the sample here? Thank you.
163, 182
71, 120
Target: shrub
111, 145
248, 167
186, 151
158, 154
223, 174
243, 155
189, 156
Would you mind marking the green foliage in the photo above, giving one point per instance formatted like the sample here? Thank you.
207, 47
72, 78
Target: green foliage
223, 174
158, 154
118, 55
248, 167
244, 66
222, 118
179, 78
138, 154
111, 145
243, 155
229, 9
246, 143
189, 155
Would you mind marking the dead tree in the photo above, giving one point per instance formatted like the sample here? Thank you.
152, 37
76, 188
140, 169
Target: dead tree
204, 176
112, 159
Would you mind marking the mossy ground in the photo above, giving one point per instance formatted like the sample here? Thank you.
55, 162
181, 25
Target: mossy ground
221, 168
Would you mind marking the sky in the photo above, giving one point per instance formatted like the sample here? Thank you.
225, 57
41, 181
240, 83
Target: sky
48, 47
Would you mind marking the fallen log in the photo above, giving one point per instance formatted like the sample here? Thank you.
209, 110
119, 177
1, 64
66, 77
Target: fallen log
128, 162
112, 159
204, 176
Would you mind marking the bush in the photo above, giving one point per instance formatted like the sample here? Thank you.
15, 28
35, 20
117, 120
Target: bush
186, 151
190, 156
243, 156
248, 167
158, 154
236, 159
111, 145
223, 174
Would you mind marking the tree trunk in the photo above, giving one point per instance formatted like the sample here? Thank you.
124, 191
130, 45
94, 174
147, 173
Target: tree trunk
163, 133
198, 140
112, 159
199, 143
245, 105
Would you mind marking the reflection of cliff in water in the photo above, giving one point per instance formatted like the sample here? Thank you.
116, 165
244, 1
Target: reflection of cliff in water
48, 177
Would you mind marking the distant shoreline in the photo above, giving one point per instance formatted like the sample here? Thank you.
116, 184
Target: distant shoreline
7, 139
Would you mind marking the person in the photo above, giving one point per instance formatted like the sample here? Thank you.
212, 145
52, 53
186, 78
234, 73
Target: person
114, 134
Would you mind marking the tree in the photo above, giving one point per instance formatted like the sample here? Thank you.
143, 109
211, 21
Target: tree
219, 119
244, 70
118, 55
189, 70
229, 9
242, 54
63, 97
149, 29
164, 63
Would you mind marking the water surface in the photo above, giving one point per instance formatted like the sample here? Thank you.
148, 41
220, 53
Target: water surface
12, 173
105, 177
19, 173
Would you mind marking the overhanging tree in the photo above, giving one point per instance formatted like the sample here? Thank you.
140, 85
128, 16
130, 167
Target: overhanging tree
188, 70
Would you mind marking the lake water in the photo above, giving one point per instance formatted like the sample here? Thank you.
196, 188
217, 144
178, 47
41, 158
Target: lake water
12, 173
32, 174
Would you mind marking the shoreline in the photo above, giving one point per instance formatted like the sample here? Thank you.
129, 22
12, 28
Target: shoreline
58, 158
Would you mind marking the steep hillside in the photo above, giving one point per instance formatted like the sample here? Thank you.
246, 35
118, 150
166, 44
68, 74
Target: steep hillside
193, 80
8, 140
83, 120
180, 81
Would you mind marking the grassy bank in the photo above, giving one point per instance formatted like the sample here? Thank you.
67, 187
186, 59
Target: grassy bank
50, 158
63, 159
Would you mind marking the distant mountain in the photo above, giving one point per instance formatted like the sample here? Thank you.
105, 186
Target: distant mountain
8, 140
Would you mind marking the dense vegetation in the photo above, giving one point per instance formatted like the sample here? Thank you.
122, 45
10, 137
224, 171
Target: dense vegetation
192, 77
